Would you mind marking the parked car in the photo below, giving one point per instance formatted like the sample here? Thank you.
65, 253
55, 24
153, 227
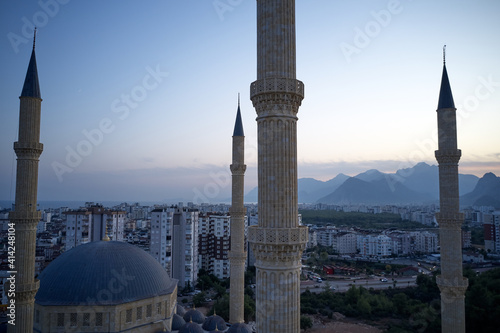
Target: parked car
383, 280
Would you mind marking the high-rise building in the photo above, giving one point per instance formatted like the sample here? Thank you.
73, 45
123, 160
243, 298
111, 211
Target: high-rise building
92, 224
451, 282
277, 241
491, 226
214, 243
174, 242
24, 218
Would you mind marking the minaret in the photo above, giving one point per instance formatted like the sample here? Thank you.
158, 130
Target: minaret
238, 253
25, 215
451, 282
278, 240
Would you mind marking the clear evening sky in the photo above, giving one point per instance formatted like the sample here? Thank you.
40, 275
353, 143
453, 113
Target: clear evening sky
140, 97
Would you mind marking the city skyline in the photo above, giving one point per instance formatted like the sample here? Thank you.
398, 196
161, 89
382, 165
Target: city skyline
372, 76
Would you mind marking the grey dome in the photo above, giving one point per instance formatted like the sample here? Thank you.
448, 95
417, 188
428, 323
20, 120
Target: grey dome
177, 322
195, 316
103, 273
239, 328
214, 322
191, 328
180, 310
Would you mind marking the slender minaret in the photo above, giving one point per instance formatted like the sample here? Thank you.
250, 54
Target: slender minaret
238, 253
451, 282
25, 215
278, 240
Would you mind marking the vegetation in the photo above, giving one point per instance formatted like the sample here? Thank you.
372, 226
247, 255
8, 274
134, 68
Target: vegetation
415, 309
210, 282
359, 220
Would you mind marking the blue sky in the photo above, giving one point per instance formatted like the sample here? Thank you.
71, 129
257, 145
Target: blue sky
145, 92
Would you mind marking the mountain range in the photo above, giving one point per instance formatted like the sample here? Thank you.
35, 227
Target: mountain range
416, 185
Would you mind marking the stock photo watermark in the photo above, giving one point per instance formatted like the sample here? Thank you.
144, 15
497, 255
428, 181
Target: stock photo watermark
48, 10
363, 36
121, 107
223, 6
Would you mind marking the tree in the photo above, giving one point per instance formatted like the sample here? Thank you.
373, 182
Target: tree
305, 322
199, 299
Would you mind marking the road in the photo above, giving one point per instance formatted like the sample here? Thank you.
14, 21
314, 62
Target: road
344, 285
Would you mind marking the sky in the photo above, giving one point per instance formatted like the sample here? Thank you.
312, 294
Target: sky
140, 97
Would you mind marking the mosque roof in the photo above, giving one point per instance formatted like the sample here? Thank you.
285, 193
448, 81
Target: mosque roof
31, 87
239, 328
177, 322
445, 96
214, 322
191, 328
195, 316
103, 273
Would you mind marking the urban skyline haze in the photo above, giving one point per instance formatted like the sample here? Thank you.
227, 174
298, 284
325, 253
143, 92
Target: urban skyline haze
140, 98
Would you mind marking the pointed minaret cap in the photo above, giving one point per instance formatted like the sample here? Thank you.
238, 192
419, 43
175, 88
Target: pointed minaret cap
238, 126
31, 87
445, 95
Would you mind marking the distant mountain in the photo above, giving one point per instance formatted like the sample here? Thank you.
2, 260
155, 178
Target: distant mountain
486, 192
380, 191
309, 189
418, 184
312, 191
424, 178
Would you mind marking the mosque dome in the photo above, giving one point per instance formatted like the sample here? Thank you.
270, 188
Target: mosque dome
180, 310
195, 316
103, 273
214, 322
239, 328
191, 328
177, 322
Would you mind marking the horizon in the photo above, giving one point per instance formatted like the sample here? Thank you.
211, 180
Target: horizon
369, 102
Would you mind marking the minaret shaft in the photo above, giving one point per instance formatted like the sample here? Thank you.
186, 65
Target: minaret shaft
238, 253
278, 240
25, 216
451, 281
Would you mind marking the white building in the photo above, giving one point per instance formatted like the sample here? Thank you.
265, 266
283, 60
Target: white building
174, 242
425, 242
374, 245
92, 224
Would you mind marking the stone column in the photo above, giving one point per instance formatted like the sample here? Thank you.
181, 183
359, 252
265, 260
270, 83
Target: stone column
277, 240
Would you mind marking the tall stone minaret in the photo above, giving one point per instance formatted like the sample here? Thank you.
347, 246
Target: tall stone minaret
238, 253
278, 240
25, 215
451, 282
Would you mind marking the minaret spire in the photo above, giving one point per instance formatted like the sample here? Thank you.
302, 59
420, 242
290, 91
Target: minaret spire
25, 216
238, 252
451, 282
444, 55
34, 38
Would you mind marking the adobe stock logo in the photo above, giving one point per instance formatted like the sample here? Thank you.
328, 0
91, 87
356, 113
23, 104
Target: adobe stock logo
371, 30
49, 9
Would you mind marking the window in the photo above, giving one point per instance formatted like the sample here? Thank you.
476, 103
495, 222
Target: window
128, 316
158, 308
139, 313
37, 316
149, 310
86, 319
98, 319
60, 320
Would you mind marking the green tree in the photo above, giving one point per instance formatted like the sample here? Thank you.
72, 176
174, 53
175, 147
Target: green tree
305, 323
